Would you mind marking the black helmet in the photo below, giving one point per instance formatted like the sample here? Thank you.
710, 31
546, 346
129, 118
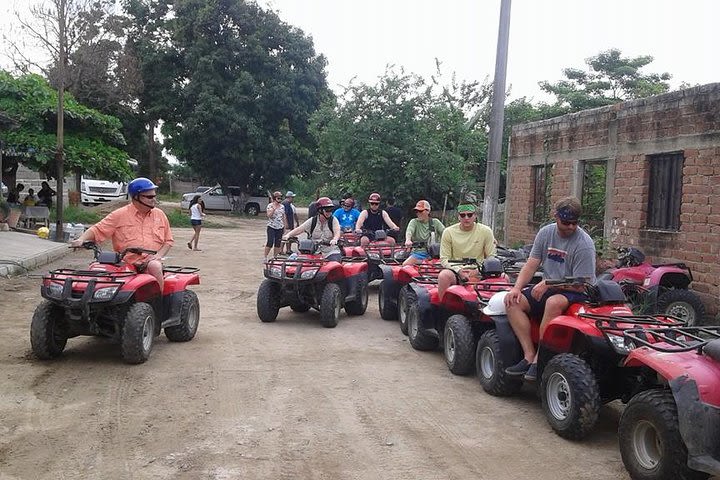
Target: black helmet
492, 267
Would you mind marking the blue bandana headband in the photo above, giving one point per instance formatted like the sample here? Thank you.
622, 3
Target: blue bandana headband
566, 214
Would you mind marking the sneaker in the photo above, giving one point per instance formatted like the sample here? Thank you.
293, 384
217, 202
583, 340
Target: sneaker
531, 374
519, 369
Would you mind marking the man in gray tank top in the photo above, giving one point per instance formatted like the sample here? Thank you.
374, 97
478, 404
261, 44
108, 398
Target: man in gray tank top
564, 250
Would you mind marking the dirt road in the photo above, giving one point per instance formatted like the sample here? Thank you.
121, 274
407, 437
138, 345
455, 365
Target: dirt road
266, 401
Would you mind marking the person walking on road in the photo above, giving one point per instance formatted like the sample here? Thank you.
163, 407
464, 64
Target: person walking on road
277, 223
197, 212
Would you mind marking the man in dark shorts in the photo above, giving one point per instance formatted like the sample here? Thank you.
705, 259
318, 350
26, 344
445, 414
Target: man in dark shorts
564, 250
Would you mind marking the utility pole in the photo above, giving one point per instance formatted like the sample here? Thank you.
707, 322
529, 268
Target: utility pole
497, 116
59, 153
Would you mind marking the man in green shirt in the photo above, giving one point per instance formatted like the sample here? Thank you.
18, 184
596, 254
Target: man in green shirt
420, 229
466, 239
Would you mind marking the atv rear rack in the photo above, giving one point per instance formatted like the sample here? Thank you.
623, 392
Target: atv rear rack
673, 339
180, 270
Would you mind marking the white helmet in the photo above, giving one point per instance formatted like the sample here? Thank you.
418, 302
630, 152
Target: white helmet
496, 305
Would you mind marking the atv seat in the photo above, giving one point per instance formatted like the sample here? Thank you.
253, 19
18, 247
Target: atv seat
306, 246
108, 258
712, 349
607, 291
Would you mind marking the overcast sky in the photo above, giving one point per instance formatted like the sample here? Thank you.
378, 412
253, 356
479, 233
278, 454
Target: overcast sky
359, 38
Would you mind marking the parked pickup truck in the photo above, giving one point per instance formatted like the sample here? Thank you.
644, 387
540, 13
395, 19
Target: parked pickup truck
215, 198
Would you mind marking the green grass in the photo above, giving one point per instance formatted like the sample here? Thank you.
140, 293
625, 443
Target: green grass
73, 214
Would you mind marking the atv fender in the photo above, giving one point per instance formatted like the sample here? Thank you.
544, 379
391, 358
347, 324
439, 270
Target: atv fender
703, 371
178, 282
699, 424
510, 349
459, 299
406, 273
670, 275
426, 319
145, 286
390, 286
560, 332
335, 271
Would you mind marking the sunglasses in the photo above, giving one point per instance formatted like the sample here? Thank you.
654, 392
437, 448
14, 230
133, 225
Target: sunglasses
374, 203
278, 198
420, 211
148, 196
570, 222
466, 215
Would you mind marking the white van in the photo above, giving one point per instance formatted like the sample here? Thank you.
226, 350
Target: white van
94, 191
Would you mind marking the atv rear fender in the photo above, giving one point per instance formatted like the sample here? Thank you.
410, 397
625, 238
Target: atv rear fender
670, 276
426, 319
510, 349
178, 282
693, 379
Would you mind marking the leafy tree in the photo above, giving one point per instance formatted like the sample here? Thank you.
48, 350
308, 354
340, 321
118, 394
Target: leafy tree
611, 78
403, 136
92, 139
248, 84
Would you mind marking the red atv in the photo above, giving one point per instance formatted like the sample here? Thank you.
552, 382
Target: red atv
455, 322
579, 357
659, 288
111, 299
671, 429
308, 280
395, 276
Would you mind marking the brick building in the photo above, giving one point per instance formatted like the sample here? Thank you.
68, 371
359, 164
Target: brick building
647, 172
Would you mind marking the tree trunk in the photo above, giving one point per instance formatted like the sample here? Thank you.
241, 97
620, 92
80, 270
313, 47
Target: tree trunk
152, 161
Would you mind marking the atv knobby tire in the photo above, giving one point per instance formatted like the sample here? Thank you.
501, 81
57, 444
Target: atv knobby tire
48, 335
459, 345
268, 302
491, 369
405, 296
387, 311
683, 304
189, 319
359, 305
651, 446
330, 304
138, 333
570, 396
419, 338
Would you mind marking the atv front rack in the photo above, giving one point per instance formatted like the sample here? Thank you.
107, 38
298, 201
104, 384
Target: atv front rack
96, 275
385, 253
300, 269
673, 339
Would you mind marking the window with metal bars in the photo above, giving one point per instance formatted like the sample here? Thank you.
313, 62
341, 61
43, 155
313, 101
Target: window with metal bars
542, 175
665, 192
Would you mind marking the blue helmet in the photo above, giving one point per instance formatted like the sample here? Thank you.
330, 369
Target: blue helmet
140, 184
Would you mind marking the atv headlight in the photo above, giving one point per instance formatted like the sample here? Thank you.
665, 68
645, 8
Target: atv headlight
307, 274
106, 293
275, 272
55, 290
619, 344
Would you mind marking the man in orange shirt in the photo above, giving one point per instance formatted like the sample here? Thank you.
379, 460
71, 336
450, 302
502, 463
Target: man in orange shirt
138, 224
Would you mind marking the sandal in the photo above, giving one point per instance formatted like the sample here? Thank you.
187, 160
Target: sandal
189, 244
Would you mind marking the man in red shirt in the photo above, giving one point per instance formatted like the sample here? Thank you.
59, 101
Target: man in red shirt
138, 224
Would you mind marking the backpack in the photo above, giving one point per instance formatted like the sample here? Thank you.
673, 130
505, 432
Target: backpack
331, 221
